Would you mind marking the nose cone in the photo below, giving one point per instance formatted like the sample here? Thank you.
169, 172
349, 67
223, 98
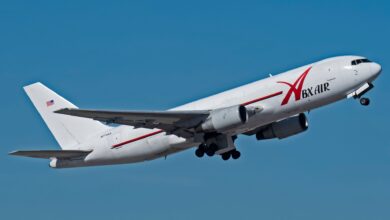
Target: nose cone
376, 69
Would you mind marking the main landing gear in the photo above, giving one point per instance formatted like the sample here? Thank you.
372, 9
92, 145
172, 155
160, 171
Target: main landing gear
199, 152
210, 151
235, 154
203, 149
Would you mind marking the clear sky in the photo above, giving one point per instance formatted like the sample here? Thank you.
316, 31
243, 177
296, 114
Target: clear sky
155, 55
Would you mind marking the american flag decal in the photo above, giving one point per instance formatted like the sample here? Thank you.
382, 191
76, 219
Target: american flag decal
49, 103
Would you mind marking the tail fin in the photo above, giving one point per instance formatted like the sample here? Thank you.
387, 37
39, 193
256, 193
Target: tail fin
68, 131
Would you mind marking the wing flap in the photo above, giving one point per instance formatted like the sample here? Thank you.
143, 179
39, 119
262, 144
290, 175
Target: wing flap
46, 154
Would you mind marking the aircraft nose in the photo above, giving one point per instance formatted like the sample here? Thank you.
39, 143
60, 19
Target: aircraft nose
376, 69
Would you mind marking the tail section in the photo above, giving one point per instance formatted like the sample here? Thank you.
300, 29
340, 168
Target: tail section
68, 131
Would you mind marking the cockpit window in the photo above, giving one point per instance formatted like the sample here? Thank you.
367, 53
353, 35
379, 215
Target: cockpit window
359, 61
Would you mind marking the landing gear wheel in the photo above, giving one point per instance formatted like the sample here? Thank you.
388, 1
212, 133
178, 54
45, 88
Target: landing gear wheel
225, 156
210, 151
199, 152
236, 154
364, 101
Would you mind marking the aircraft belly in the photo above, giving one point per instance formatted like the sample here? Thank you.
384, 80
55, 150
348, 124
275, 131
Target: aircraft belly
150, 148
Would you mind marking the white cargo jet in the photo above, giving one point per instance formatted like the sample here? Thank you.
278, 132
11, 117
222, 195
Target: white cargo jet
269, 108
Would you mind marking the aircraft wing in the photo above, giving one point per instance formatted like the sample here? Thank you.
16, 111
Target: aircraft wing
46, 154
180, 123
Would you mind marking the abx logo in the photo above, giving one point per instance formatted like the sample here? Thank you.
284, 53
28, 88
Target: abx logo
295, 88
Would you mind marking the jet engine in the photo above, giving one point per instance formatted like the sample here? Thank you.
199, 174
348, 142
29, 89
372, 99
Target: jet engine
284, 128
223, 119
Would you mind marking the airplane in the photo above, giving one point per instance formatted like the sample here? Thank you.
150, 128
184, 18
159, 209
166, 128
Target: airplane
274, 107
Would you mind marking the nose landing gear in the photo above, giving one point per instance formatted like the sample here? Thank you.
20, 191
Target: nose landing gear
364, 101
360, 92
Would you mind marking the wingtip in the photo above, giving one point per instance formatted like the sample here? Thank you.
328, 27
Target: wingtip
13, 153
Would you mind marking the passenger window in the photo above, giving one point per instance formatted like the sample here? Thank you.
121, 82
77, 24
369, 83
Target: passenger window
353, 62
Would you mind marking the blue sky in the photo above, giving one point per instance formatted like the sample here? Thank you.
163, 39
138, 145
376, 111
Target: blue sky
159, 54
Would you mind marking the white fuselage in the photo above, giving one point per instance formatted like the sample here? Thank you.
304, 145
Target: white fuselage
280, 96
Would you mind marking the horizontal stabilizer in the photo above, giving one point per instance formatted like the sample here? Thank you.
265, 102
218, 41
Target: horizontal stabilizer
47, 154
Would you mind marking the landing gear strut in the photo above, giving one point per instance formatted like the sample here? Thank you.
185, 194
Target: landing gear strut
364, 101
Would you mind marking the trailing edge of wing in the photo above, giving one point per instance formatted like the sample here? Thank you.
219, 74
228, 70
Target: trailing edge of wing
46, 154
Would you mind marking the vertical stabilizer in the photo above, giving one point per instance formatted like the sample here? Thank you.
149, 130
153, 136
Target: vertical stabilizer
68, 131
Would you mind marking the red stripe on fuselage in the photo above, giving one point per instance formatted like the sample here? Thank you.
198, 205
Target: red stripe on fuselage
137, 139
160, 131
262, 98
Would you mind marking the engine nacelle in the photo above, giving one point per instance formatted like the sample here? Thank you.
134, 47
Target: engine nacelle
221, 120
284, 128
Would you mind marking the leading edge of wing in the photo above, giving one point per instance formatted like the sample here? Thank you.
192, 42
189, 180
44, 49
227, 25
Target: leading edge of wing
180, 113
180, 123
168, 117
